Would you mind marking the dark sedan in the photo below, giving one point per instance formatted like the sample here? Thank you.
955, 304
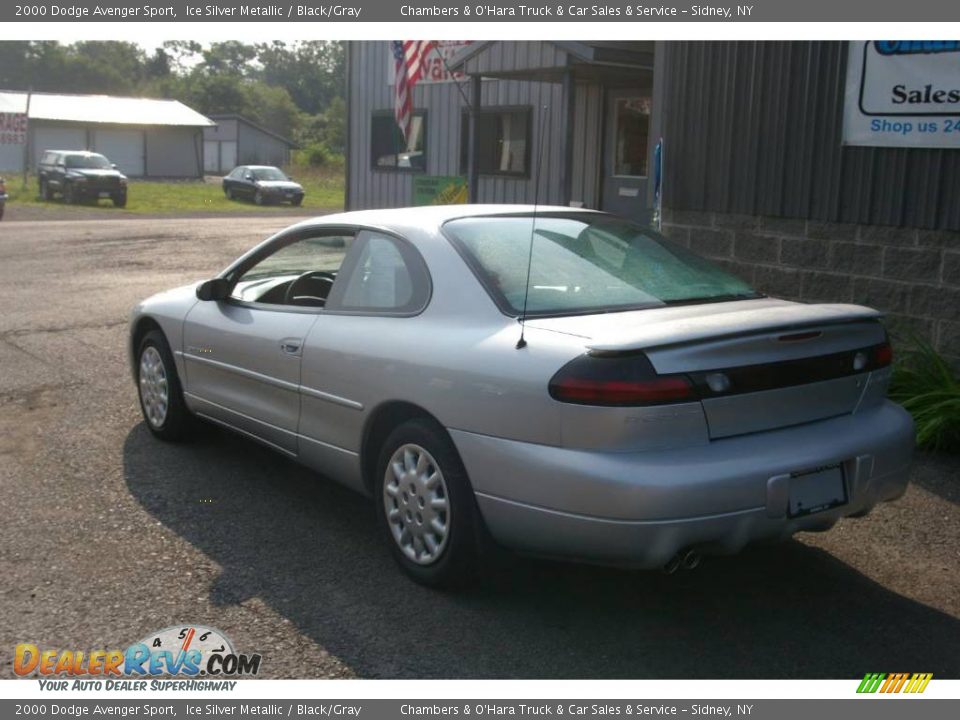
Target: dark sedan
263, 184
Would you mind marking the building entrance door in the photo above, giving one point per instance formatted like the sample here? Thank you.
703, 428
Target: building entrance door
625, 162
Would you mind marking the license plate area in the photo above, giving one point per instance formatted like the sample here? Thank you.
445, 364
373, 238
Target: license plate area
815, 490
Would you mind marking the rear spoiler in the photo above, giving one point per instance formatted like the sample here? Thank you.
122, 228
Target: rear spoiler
788, 316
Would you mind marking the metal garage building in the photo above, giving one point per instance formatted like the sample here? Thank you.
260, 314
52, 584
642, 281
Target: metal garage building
145, 137
238, 141
820, 171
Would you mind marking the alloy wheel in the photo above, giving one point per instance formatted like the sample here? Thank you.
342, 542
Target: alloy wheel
154, 389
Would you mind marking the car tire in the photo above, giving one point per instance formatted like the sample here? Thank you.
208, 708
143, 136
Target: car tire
297, 202
158, 388
119, 201
45, 193
258, 198
422, 491
229, 193
1, 210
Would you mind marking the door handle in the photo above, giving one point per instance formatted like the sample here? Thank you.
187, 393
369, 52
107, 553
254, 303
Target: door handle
291, 346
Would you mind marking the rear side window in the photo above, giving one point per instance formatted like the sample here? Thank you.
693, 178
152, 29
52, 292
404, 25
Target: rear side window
386, 276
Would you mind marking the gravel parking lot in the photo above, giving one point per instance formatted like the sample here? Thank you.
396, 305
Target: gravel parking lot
108, 534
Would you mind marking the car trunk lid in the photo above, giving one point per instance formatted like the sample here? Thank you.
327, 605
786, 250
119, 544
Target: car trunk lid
757, 364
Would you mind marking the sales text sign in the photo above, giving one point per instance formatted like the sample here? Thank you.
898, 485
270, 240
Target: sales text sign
903, 93
13, 128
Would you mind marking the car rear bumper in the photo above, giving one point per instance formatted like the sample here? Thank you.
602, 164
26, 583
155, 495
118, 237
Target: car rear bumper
642, 508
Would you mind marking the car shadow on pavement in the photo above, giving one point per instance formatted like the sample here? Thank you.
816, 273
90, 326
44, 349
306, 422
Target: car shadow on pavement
309, 549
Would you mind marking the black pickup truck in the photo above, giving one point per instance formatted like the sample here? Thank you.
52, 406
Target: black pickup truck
80, 176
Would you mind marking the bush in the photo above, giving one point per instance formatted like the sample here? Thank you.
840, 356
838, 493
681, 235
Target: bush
928, 387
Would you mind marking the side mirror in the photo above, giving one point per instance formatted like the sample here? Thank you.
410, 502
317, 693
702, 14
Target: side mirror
215, 289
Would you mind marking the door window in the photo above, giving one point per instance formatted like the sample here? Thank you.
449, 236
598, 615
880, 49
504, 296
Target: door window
301, 273
631, 128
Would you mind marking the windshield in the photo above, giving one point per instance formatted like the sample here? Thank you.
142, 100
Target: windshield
90, 162
587, 263
268, 174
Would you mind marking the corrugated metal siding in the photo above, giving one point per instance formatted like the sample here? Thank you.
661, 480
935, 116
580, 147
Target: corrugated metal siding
370, 92
514, 55
258, 148
756, 127
587, 119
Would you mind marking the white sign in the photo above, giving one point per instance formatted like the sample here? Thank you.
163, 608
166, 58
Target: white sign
903, 93
13, 128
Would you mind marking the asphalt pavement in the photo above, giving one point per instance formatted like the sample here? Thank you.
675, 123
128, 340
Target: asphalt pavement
108, 534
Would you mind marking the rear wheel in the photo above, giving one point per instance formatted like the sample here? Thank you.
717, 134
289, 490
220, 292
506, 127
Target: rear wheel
69, 194
45, 192
426, 507
161, 397
297, 201
119, 200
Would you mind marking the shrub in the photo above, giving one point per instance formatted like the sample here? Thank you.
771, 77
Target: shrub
928, 387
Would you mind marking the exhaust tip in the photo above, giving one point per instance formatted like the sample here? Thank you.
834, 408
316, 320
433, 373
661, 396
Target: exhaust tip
691, 559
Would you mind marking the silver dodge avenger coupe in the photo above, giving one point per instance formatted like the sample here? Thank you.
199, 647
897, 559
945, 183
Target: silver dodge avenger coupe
563, 382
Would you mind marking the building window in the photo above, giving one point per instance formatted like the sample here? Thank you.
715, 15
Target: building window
503, 141
630, 139
388, 148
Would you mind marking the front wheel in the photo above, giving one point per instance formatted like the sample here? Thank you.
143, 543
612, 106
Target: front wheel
69, 194
161, 397
46, 193
258, 198
425, 505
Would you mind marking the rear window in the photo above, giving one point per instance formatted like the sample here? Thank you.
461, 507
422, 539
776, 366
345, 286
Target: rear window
586, 263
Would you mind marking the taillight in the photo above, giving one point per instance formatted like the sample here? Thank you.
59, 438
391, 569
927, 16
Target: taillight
882, 355
620, 380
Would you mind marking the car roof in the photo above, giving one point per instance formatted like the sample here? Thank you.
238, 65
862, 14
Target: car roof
435, 215
75, 152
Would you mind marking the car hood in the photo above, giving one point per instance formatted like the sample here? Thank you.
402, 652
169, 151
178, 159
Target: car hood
279, 185
95, 173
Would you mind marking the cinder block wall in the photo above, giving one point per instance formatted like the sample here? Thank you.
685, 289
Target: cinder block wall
913, 275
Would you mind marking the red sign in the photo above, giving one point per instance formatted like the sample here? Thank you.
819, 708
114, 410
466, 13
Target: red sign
13, 128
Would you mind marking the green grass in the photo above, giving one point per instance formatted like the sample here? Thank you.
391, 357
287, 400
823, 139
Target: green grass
928, 387
323, 188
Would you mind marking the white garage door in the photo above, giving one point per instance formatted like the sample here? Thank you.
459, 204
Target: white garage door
228, 155
50, 138
124, 148
211, 157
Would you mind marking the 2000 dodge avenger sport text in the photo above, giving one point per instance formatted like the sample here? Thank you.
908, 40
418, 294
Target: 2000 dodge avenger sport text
563, 382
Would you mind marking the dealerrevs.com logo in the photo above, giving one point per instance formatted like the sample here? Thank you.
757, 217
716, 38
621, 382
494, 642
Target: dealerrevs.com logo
186, 651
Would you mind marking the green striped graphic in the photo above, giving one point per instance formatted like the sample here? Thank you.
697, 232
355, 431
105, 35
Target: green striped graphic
871, 682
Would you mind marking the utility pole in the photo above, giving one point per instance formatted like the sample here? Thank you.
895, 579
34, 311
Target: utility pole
26, 142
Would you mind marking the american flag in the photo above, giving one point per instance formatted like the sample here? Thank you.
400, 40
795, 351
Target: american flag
409, 57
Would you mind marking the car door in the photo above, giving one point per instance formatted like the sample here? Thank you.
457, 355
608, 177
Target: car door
242, 355
382, 286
